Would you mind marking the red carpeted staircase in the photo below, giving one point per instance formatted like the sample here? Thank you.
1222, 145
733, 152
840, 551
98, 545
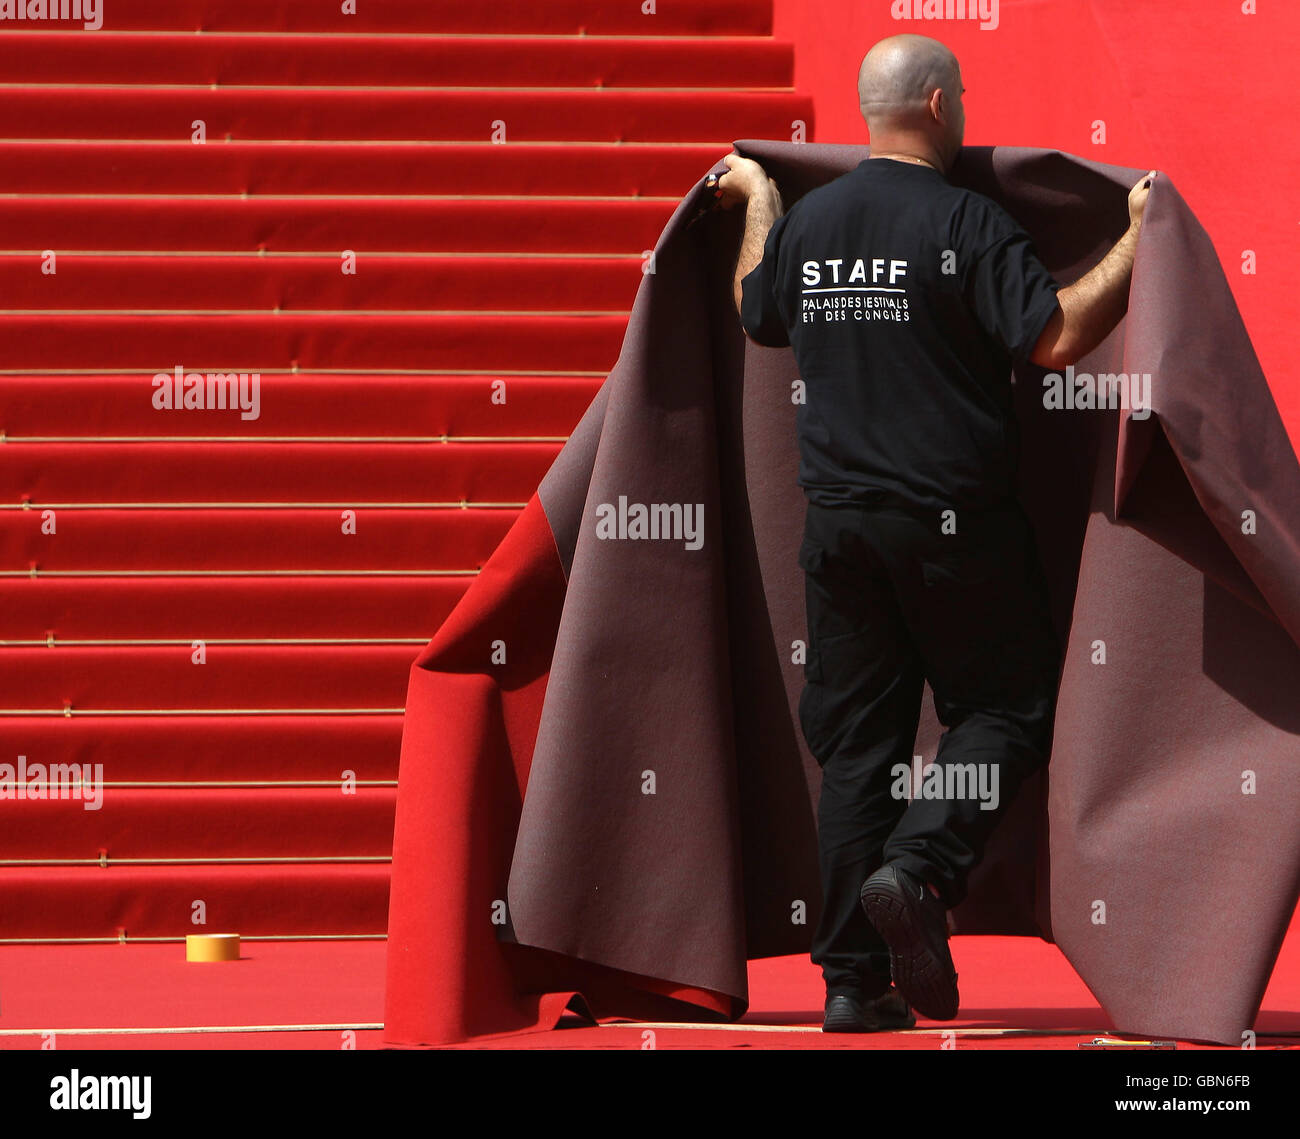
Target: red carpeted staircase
394, 219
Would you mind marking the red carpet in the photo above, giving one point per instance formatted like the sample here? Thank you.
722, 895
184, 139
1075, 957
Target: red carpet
220, 606
477, 265
1017, 993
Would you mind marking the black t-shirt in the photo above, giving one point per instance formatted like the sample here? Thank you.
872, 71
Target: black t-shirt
907, 301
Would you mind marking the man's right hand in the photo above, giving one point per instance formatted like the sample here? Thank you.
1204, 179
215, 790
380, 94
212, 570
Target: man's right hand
1090, 308
1137, 199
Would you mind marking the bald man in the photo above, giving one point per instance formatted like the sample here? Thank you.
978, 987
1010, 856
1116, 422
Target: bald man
908, 302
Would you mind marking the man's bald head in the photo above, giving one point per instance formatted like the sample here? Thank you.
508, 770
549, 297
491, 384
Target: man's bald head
899, 75
909, 89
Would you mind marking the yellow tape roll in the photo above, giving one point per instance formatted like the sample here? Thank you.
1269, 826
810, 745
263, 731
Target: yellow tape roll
212, 947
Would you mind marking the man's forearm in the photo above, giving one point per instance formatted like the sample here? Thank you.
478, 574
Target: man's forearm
1097, 302
761, 211
1090, 308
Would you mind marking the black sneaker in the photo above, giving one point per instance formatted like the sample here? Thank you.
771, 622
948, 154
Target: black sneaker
914, 924
881, 1014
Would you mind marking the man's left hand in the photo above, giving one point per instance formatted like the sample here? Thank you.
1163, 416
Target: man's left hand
744, 178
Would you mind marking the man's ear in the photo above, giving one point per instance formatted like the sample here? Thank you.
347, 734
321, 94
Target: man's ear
939, 106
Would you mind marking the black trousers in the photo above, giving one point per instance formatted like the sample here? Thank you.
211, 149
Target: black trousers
893, 601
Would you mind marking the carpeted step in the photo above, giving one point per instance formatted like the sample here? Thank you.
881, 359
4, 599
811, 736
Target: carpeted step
341, 58
621, 225
99, 819
339, 408
303, 284
251, 541
344, 474
291, 899
388, 168
276, 113
422, 17
263, 677
230, 748
81, 609
343, 341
